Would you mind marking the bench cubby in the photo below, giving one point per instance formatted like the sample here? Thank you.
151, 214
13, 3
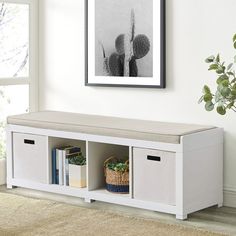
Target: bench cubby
55, 142
98, 153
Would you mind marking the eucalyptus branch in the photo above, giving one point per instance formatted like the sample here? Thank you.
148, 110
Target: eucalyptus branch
224, 98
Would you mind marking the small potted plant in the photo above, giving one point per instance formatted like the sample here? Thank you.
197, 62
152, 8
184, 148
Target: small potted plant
77, 171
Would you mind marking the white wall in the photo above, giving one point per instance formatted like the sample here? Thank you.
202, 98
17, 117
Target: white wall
195, 30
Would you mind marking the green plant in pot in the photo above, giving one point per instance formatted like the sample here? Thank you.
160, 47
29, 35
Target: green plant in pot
117, 175
224, 98
120, 166
78, 160
77, 171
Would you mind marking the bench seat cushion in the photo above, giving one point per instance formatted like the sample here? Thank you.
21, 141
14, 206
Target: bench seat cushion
108, 126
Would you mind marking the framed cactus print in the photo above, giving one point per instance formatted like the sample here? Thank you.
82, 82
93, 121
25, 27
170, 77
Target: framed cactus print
125, 43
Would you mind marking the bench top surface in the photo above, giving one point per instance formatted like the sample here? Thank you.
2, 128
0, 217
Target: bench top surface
108, 126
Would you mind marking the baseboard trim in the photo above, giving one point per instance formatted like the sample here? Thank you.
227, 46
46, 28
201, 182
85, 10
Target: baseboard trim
230, 197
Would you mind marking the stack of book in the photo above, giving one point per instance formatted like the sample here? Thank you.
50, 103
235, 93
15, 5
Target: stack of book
60, 163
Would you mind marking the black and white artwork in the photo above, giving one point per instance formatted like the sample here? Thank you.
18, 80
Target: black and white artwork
125, 43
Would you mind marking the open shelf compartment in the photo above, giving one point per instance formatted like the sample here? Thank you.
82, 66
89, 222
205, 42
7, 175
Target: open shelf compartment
97, 154
54, 142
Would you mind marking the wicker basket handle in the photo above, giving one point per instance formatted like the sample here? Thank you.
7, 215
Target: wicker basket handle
127, 163
109, 159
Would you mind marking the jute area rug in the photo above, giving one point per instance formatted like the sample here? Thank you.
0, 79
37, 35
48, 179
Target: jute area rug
26, 216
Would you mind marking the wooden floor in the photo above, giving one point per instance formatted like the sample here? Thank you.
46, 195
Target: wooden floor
215, 219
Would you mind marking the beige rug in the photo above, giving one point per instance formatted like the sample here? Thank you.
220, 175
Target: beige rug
26, 216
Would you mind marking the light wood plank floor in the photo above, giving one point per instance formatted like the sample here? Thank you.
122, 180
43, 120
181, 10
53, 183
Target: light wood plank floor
214, 219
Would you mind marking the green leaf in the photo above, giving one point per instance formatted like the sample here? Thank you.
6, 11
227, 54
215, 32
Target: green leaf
230, 105
207, 97
235, 45
230, 73
234, 38
206, 89
218, 58
213, 67
225, 92
210, 59
233, 81
221, 103
221, 110
218, 96
230, 66
225, 83
201, 99
222, 78
220, 87
233, 98
220, 70
233, 92
219, 80
209, 106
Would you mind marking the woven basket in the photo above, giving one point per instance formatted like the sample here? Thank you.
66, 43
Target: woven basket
116, 182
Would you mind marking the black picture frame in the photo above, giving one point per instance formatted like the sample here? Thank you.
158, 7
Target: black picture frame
162, 53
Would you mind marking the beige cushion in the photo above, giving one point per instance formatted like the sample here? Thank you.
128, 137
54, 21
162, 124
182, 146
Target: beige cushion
109, 126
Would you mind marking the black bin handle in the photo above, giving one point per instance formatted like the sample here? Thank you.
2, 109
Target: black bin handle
28, 141
153, 158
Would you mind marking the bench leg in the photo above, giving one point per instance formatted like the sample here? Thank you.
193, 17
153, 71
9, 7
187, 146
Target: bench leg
88, 200
9, 186
182, 217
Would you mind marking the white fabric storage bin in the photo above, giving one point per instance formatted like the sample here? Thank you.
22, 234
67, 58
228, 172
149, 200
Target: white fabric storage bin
30, 157
154, 176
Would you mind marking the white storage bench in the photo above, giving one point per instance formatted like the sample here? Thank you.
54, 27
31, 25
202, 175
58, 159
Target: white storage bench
174, 168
